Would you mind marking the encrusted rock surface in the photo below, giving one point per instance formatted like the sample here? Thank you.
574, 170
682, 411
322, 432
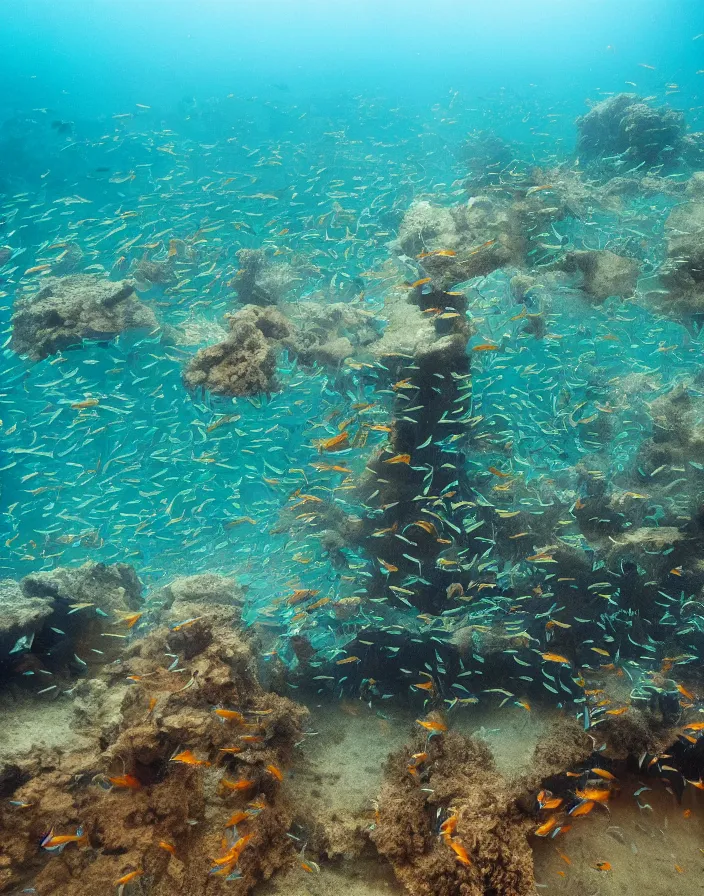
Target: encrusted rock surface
69, 309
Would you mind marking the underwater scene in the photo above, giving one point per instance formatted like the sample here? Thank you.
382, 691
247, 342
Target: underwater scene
352, 448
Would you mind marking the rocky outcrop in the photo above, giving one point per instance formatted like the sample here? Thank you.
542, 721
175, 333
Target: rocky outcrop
245, 362
67, 310
259, 281
605, 274
626, 126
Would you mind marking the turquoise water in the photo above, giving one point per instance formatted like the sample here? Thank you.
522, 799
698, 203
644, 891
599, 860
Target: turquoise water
307, 129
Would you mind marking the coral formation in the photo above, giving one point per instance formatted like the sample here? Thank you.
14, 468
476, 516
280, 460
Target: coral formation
245, 362
626, 126
69, 309
449, 824
165, 774
683, 272
605, 273
261, 282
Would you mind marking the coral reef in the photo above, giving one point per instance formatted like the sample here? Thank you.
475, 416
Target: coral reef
173, 756
63, 621
626, 126
449, 824
328, 333
69, 309
245, 362
461, 242
22, 615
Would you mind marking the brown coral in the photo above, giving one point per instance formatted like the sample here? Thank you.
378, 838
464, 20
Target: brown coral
458, 778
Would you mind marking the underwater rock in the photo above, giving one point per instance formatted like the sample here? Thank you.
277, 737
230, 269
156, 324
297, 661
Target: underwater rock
21, 615
465, 241
605, 274
148, 273
485, 849
69, 309
626, 126
114, 589
327, 334
485, 154
87, 600
188, 596
260, 281
245, 362
683, 272
140, 810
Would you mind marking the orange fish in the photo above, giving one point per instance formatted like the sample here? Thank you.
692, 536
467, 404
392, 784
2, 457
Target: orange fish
336, 443
603, 866
242, 784
389, 567
275, 772
460, 852
583, 808
695, 726
236, 819
424, 685
593, 793
231, 857
130, 876
127, 782
59, 841
420, 282
602, 773
431, 725
448, 827
167, 846
348, 659
555, 658
544, 829
483, 246
88, 403
485, 347
131, 620
37, 269
230, 715
399, 459
425, 526
498, 473
188, 758
301, 594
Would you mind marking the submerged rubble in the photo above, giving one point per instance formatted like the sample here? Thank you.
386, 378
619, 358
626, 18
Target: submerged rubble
69, 309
